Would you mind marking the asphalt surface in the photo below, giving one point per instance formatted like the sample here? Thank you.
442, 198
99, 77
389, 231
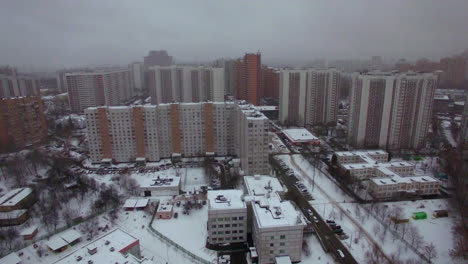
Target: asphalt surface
331, 243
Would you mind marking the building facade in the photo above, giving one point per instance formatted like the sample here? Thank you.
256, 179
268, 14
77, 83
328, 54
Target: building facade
137, 75
150, 133
249, 78
309, 97
22, 122
104, 87
227, 217
13, 84
185, 84
390, 110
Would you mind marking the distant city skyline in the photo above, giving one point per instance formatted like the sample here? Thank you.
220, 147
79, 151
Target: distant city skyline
46, 34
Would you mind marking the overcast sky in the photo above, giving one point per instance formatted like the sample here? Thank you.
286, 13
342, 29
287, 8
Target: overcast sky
70, 32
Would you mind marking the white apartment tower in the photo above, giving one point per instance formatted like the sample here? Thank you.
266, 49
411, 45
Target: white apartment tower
309, 97
168, 84
152, 132
390, 110
104, 87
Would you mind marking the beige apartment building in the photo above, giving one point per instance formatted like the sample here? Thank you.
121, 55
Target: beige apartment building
391, 110
103, 87
153, 132
309, 97
169, 84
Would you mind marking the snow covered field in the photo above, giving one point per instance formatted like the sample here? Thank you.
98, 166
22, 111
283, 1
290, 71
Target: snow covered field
332, 203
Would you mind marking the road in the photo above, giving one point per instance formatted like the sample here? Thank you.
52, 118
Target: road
328, 239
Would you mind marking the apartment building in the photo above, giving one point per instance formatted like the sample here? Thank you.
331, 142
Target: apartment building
169, 84
158, 57
227, 217
22, 122
386, 178
309, 97
390, 110
102, 87
249, 78
152, 132
13, 84
137, 76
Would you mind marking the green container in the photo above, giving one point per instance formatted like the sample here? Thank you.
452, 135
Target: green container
419, 215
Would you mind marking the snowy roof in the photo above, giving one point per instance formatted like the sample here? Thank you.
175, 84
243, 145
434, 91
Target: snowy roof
15, 196
397, 180
56, 242
360, 153
10, 259
162, 181
272, 212
283, 260
267, 108
441, 97
299, 135
142, 203
12, 214
258, 185
70, 236
108, 250
165, 208
130, 203
29, 230
226, 199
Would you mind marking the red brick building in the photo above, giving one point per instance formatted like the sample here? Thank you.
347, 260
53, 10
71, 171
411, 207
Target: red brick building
22, 122
249, 78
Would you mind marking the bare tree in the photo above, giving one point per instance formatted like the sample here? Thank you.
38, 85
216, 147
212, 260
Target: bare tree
430, 251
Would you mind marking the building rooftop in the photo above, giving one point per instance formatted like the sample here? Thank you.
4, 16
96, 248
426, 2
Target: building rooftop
299, 135
10, 259
165, 208
106, 249
272, 212
258, 185
226, 199
14, 196
12, 214
28, 230
161, 181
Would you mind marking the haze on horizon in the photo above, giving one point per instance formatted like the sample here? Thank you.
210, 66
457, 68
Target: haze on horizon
50, 33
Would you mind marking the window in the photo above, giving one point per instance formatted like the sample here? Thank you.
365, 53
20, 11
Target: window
272, 244
213, 226
220, 219
281, 251
282, 237
282, 244
272, 237
241, 218
272, 251
227, 225
227, 218
234, 225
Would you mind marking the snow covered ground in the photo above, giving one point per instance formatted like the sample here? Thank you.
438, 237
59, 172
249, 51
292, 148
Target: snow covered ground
277, 146
189, 231
448, 133
332, 203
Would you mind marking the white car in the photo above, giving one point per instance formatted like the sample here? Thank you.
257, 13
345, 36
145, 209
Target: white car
341, 253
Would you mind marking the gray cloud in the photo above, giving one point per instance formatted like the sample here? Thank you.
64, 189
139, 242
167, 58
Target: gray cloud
67, 33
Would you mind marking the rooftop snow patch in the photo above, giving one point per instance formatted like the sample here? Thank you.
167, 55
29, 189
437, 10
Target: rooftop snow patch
226, 199
272, 212
258, 185
299, 135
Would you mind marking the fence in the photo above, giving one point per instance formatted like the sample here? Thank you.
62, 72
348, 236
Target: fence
169, 241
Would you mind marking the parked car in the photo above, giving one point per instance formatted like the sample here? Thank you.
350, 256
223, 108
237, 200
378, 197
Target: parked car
341, 253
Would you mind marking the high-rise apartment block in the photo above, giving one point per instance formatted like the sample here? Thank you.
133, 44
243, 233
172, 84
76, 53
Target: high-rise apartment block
185, 84
391, 110
137, 75
13, 84
249, 78
158, 58
464, 130
309, 97
22, 122
104, 87
270, 82
126, 134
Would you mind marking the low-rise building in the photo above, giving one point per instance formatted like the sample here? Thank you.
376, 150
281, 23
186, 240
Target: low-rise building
116, 246
227, 217
161, 186
386, 178
165, 211
15, 217
298, 136
20, 198
29, 232
277, 229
